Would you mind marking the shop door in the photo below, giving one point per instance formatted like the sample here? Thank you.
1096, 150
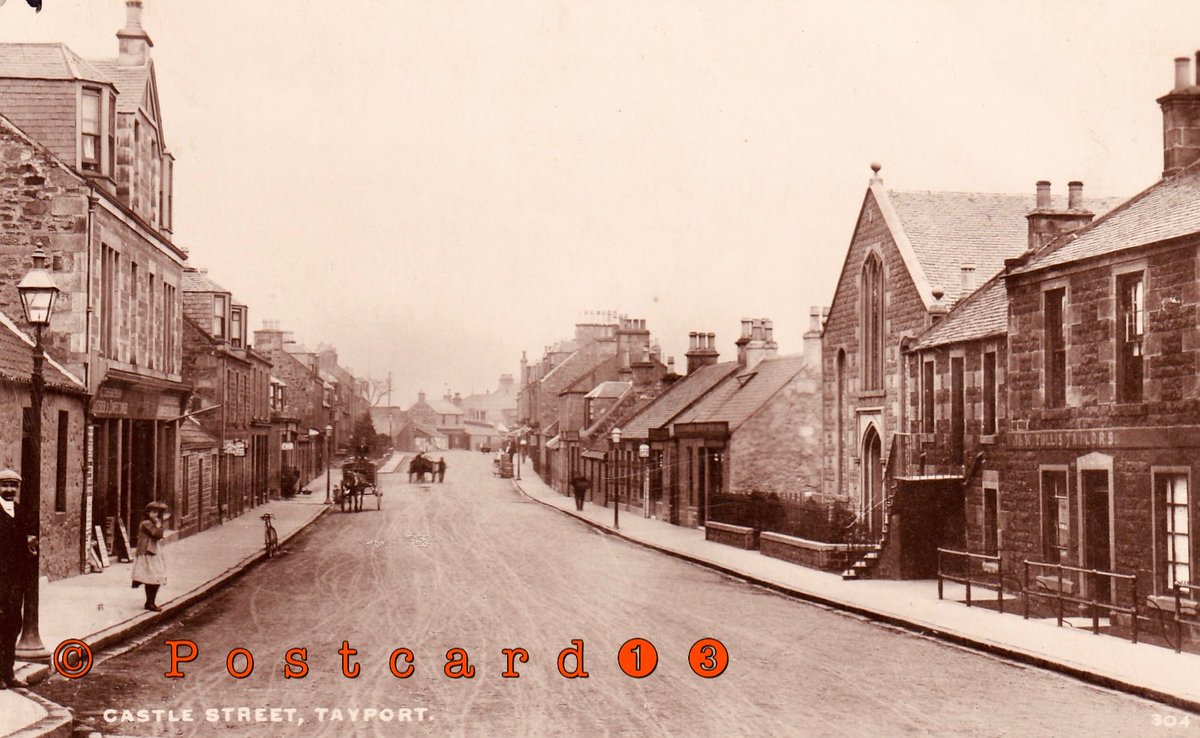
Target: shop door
1097, 548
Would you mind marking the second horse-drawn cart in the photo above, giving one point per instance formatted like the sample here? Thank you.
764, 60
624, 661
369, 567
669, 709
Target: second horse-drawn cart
359, 478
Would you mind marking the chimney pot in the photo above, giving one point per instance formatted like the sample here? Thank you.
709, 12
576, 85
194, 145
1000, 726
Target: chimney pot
1043, 195
1075, 195
814, 319
746, 327
1182, 64
768, 331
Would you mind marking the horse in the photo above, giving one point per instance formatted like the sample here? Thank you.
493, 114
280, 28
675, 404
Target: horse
419, 466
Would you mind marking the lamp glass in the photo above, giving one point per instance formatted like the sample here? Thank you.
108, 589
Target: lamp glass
644, 450
38, 295
616, 435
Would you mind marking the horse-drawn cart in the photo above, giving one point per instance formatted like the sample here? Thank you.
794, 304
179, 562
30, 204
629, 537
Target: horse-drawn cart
359, 478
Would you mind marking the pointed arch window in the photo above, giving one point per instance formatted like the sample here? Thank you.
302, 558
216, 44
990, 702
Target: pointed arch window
871, 297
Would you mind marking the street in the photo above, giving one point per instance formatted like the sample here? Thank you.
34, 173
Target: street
472, 564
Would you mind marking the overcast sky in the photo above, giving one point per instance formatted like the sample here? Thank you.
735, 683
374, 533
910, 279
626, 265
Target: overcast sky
434, 187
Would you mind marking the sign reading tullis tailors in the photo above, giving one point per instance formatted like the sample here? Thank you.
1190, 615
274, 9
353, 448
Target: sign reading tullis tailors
1149, 437
123, 402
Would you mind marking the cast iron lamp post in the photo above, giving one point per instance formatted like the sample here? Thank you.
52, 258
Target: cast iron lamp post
520, 453
616, 442
38, 295
328, 463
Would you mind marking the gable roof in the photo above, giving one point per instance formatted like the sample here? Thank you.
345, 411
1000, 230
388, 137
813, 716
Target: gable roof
744, 392
131, 83
424, 429
1165, 210
608, 390
947, 230
677, 398
52, 61
982, 314
16, 361
197, 280
192, 435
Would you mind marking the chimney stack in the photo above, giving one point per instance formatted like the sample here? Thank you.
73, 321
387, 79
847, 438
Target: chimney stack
968, 280
1046, 223
133, 41
753, 347
1181, 119
812, 337
702, 353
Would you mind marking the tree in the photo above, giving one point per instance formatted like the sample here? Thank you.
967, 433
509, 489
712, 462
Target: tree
363, 440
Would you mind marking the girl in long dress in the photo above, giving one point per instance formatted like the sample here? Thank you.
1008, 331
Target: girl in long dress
149, 566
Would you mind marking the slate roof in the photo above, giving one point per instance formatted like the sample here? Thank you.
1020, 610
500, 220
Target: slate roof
426, 430
950, 229
1168, 209
192, 435
443, 407
198, 281
608, 390
742, 394
130, 82
16, 360
982, 314
47, 61
678, 397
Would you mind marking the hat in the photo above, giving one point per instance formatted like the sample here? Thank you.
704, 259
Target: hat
156, 505
8, 475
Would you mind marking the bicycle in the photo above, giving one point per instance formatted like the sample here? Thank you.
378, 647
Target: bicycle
270, 536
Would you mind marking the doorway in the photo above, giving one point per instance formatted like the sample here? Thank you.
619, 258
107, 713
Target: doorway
872, 482
1097, 539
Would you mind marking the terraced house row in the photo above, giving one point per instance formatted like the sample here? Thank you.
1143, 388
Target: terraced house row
154, 390
1010, 375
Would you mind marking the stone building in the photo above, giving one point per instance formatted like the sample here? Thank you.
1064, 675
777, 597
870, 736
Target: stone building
1096, 464
300, 406
232, 379
82, 143
912, 257
64, 513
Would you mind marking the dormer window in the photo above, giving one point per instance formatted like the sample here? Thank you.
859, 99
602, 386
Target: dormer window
236, 323
220, 311
89, 151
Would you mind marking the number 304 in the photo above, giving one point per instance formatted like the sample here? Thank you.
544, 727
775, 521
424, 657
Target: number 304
1171, 721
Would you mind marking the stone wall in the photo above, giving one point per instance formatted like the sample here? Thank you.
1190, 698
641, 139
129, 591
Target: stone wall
778, 450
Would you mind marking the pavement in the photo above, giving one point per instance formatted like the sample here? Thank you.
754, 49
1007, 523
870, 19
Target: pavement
1148, 671
102, 608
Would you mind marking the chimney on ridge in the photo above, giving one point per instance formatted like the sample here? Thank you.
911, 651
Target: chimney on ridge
1181, 119
702, 351
134, 42
1046, 223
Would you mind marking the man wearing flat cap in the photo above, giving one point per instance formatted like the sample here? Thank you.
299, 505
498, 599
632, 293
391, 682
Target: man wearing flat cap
17, 555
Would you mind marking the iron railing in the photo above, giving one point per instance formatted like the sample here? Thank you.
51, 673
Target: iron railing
991, 571
1090, 577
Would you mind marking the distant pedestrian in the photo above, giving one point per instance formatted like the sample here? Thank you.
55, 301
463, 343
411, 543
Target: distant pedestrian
580, 486
18, 553
441, 469
149, 565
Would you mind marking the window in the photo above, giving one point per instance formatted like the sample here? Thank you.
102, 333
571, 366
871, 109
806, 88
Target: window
1173, 491
220, 309
989, 393
1055, 516
927, 425
111, 162
134, 323
89, 129
60, 471
1130, 331
236, 322
872, 323
1056, 347
109, 265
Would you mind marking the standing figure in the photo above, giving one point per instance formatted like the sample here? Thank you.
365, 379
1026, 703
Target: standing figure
441, 469
580, 486
149, 566
18, 552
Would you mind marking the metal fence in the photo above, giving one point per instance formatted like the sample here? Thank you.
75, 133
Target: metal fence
1089, 581
971, 570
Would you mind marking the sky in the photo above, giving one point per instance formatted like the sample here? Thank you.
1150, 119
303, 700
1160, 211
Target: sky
436, 187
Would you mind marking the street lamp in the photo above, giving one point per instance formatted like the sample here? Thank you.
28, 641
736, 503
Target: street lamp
328, 462
616, 442
643, 454
38, 295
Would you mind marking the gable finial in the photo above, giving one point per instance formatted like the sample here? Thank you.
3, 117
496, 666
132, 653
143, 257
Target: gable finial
875, 178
